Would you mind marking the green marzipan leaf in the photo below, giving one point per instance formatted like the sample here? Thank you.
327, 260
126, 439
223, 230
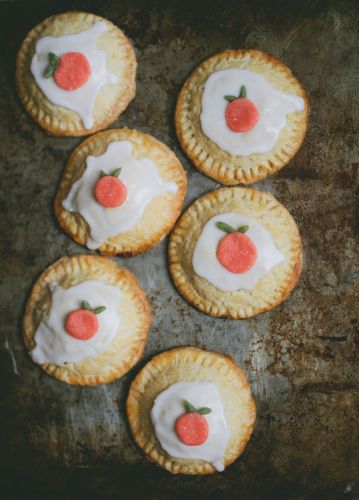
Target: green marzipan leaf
225, 227
103, 173
230, 98
204, 410
86, 305
50, 70
189, 408
116, 172
99, 309
243, 229
243, 91
54, 61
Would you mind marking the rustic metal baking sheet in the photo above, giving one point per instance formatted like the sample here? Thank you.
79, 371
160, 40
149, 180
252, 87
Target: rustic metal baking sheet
62, 442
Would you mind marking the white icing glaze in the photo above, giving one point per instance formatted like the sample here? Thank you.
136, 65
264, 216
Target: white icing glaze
141, 179
206, 264
81, 100
168, 407
272, 105
55, 345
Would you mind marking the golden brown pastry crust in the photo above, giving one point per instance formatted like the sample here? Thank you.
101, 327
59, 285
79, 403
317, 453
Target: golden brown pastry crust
111, 101
190, 364
159, 215
272, 289
205, 154
135, 310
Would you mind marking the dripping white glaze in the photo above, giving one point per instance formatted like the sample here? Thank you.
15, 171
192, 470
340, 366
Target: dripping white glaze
55, 345
272, 105
81, 100
206, 264
141, 179
169, 406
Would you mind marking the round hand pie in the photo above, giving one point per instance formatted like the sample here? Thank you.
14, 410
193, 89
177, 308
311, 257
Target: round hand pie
241, 115
191, 410
75, 73
235, 252
121, 192
86, 320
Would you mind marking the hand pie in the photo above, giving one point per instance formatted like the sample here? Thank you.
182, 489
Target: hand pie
86, 320
235, 253
121, 192
241, 115
75, 73
191, 410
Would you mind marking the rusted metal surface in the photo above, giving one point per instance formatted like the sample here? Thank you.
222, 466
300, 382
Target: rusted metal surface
60, 442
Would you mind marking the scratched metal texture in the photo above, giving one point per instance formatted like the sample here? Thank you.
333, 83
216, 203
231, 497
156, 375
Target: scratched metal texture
63, 442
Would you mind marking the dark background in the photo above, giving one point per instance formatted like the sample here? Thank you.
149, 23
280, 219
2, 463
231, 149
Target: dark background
63, 442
